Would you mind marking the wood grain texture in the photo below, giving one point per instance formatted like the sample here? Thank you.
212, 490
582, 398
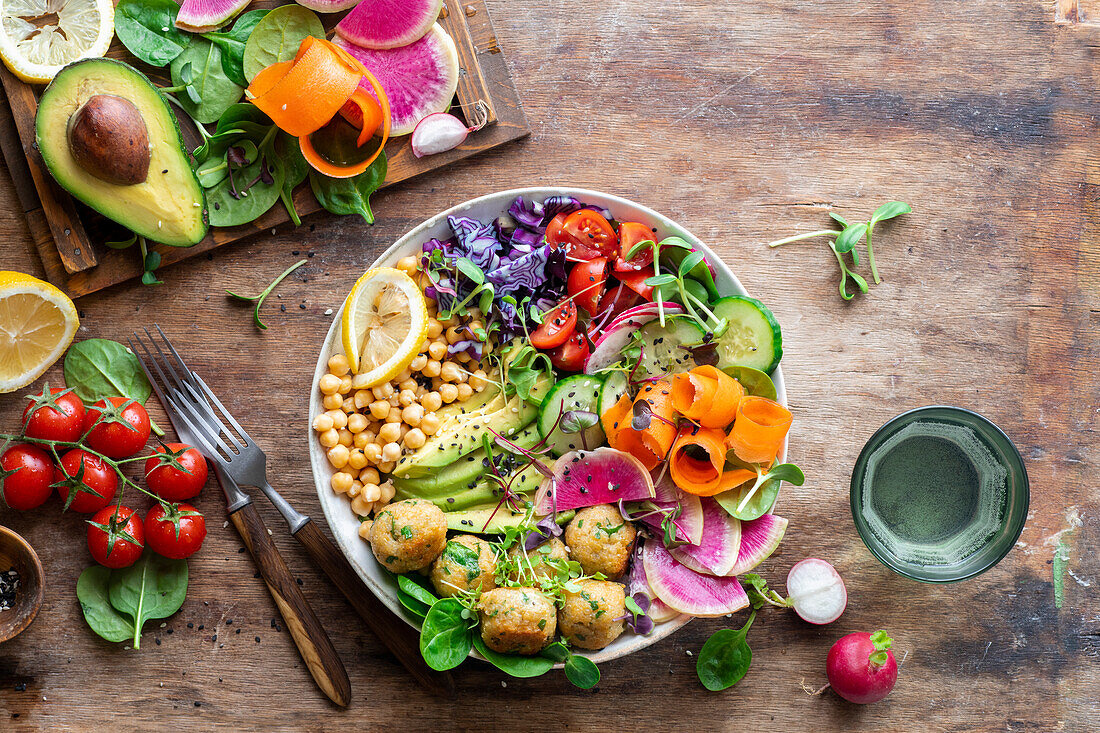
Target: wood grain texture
746, 123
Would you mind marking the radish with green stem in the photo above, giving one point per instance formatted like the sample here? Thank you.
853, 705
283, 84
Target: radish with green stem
861, 668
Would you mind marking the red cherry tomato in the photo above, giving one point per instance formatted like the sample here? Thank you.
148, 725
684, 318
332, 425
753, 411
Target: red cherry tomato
116, 537
586, 284
590, 229
177, 533
64, 422
170, 483
570, 356
630, 233
557, 237
556, 326
113, 439
98, 483
636, 282
29, 486
616, 301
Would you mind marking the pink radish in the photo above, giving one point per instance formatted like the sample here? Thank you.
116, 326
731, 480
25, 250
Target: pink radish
617, 335
861, 668
759, 539
816, 591
587, 478
689, 525
382, 23
716, 553
687, 591
438, 133
200, 16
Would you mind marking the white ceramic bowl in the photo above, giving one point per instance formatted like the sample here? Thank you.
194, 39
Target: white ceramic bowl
344, 523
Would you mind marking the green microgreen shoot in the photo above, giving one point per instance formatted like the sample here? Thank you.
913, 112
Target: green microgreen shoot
259, 299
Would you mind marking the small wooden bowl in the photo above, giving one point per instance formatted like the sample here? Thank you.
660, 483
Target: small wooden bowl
17, 554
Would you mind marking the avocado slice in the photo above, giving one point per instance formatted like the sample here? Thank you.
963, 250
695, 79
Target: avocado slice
474, 519
93, 122
481, 491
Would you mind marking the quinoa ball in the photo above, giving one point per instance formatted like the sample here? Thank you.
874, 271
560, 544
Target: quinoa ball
601, 540
592, 617
517, 620
408, 535
467, 563
532, 564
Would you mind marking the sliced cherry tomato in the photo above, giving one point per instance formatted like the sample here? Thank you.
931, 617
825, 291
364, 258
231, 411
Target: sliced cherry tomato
557, 237
617, 300
636, 282
169, 482
176, 533
29, 485
97, 484
111, 436
557, 326
586, 284
116, 537
570, 356
589, 228
630, 233
55, 416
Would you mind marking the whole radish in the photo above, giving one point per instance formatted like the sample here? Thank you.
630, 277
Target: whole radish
861, 668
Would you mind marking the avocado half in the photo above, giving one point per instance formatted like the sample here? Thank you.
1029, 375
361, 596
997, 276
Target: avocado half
168, 205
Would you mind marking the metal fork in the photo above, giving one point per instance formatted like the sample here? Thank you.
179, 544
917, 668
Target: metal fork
188, 397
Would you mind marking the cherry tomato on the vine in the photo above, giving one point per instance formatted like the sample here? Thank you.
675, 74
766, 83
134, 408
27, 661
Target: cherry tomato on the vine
169, 482
176, 533
55, 416
557, 326
111, 437
586, 284
630, 234
97, 484
570, 356
29, 485
116, 537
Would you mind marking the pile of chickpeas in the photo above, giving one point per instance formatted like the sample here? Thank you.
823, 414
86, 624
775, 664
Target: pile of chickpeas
366, 431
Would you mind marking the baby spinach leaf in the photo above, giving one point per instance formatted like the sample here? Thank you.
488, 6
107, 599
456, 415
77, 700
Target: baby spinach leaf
752, 500
153, 587
148, 30
211, 92
228, 210
98, 368
514, 664
725, 658
296, 171
582, 671
232, 44
755, 382
445, 637
413, 588
277, 37
242, 112
92, 592
350, 195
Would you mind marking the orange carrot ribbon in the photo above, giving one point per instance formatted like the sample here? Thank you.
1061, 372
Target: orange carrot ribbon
708, 396
697, 461
759, 429
651, 445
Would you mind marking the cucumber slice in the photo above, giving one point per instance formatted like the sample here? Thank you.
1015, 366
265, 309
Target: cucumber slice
661, 352
753, 338
581, 392
613, 388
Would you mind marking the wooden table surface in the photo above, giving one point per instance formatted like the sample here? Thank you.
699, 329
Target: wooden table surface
746, 122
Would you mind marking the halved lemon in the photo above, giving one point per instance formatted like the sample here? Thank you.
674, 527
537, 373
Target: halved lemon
37, 324
385, 321
38, 37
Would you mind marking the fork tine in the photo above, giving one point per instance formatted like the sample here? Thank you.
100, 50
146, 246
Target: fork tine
228, 415
145, 367
186, 409
200, 434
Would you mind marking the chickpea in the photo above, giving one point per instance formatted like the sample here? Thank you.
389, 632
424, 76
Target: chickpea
341, 482
387, 467
406, 397
371, 433
371, 492
394, 415
362, 399
360, 440
345, 437
359, 381
434, 328
357, 459
450, 372
364, 529
424, 345
382, 391
338, 365
478, 380
339, 419
357, 423
329, 438
329, 384
348, 406
345, 385
420, 391
454, 334
395, 400
431, 369
389, 433
418, 363
463, 357
379, 409
373, 452
437, 350
356, 489
321, 423
436, 382
332, 402
388, 491
430, 424
431, 401
338, 457
361, 506
390, 453
450, 322
465, 392
415, 438
401, 378
448, 392
369, 476
412, 415
407, 265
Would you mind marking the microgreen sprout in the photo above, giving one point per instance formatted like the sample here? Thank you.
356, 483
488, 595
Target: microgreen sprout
259, 299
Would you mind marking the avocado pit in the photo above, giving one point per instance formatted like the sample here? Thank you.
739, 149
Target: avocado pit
108, 139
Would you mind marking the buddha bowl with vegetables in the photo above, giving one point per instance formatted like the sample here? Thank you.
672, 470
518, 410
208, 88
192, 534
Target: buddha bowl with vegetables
612, 465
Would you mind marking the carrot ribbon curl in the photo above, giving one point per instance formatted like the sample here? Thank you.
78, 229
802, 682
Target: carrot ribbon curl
759, 429
707, 395
697, 461
650, 445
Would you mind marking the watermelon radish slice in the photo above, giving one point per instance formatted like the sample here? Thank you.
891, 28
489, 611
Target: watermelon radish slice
419, 79
616, 335
716, 554
200, 16
658, 612
687, 591
328, 6
689, 525
588, 478
759, 538
384, 23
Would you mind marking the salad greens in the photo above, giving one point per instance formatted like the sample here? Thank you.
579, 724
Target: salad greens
117, 603
200, 81
725, 657
232, 44
277, 37
350, 195
96, 369
147, 29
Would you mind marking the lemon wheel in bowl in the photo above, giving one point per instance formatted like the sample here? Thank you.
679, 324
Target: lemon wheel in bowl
39, 37
384, 323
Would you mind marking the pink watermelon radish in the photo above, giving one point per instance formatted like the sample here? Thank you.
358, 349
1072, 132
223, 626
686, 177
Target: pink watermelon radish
759, 538
658, 611
687, 591
384, 23
200, 16
716, 554
327, 6
588, 478
616, 335
689, 525
419, 79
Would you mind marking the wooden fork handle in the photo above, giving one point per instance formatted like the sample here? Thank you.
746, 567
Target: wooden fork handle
398, 636
302, 623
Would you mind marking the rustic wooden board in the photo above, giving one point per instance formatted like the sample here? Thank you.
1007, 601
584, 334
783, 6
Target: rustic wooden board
746, 123
76, 259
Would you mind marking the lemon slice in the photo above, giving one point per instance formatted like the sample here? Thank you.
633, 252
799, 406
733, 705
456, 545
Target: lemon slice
38, 37
385, 321
37, 324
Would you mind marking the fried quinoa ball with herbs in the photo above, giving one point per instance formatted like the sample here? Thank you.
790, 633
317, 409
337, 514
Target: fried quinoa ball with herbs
600, 540
592, 617
467, 563
531, 566
517, 620
408, 535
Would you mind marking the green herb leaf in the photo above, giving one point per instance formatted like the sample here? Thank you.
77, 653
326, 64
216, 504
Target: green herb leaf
725, 658
296, 170
514, 664
152, 588
662, 279
850, 237
556, 651
214, 92
882, 642
100, 368
470, 270
123, 243
413, 596
445, 637
760, 594
226, 209
93, 594
582, 671
350, 195
278, 36
232, 45
147, 28
889, 210
755, 382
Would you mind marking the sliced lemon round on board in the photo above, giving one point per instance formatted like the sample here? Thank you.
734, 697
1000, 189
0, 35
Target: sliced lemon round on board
37, 324
385, 321
38, 37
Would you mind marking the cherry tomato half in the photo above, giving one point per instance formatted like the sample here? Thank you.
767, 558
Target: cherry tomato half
630, 233
636, 282
584, 234
570, 356
177, 533
557, 326
50, 423
557, 237
586, 284
122, 526
98, 484
170, 483
114, 439
616, 301
29, 486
